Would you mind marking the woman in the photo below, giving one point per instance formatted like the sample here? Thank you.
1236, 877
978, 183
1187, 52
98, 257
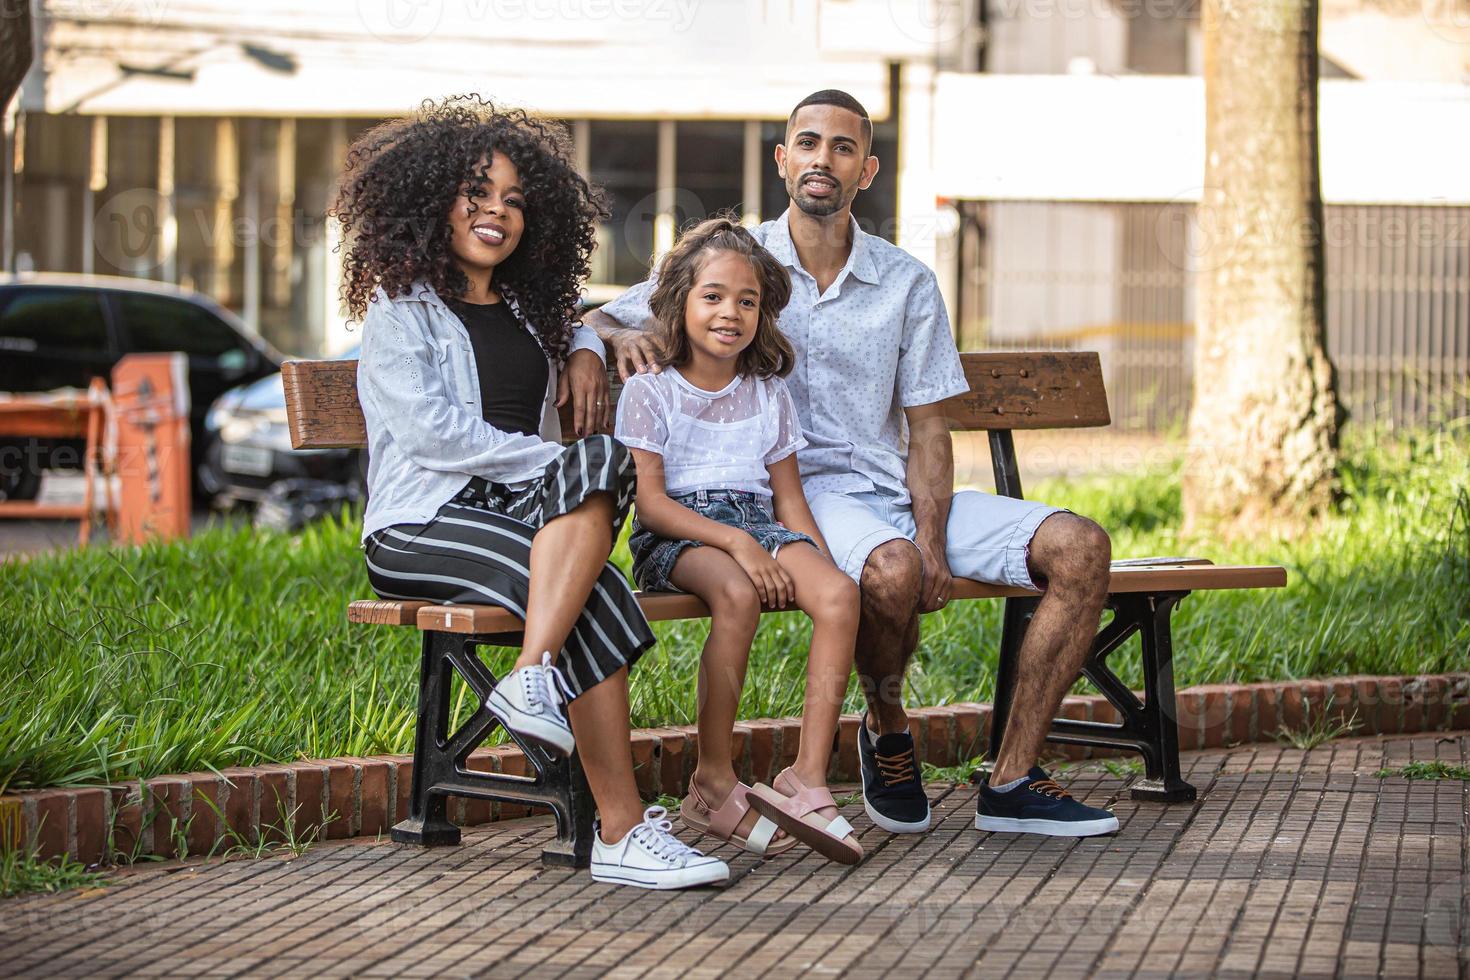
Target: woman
468, 234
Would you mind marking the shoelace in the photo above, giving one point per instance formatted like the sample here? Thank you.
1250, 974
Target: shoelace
1048, 787
656, 833
896, 769
545, 685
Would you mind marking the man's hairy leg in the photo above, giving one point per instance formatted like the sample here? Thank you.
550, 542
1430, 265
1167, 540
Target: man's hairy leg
1071, 554
888, 631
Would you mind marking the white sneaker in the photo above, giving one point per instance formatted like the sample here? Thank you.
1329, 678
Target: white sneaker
528, 702
650, 856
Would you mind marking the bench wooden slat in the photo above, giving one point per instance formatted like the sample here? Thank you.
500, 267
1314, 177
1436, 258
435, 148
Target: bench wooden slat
1030, 390
322, 409
385, 612
1185, 575
1008, 390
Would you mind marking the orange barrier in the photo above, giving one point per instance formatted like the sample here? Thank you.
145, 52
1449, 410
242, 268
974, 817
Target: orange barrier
151, 394
84, 417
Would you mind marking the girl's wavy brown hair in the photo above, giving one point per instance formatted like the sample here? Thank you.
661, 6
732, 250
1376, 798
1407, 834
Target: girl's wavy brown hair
770, 354
402, 178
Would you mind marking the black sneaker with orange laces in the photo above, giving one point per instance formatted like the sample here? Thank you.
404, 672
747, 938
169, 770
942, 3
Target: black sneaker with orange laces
893, 791
1039, 806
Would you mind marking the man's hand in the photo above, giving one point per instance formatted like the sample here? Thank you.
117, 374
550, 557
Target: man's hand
633, 351
585, 382
936, 587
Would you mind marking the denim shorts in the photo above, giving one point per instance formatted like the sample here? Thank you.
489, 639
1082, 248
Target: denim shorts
654, 557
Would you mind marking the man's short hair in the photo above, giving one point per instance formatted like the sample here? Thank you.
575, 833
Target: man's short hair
840, 99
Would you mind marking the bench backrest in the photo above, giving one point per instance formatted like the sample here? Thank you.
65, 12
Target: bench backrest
1008, 390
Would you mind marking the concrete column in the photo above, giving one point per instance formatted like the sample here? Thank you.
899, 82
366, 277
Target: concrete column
227, 190
663, 220
96, 182
750, 178
920, 229
250, 281
13, 160
336, 338
283, 241
168, 218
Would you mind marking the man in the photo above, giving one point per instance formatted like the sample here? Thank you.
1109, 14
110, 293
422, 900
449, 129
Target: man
875, 360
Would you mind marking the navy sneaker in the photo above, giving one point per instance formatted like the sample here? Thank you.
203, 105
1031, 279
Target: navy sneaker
893, 790
1040, 806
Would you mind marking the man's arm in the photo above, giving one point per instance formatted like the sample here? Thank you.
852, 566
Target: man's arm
623, 326
930, 480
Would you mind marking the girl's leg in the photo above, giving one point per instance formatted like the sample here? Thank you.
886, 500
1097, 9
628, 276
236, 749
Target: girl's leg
567, 555
830, 598
600, 725
735, 613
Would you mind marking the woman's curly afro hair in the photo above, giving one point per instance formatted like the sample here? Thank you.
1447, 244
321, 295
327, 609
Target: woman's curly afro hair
402, 178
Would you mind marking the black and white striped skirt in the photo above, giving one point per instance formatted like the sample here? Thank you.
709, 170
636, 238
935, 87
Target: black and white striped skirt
477, 549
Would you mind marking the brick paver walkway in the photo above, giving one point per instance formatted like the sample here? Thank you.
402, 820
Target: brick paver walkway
1290, 863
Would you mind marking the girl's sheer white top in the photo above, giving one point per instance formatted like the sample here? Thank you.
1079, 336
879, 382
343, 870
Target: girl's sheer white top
710, 440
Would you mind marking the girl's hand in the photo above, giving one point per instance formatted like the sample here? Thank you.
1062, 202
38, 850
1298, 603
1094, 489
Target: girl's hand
772, 582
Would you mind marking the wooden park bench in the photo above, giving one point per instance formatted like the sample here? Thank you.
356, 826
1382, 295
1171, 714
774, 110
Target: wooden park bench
1008, 391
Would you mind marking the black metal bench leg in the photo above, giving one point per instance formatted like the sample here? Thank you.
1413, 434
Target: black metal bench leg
428, 822
574, 812
1162, 782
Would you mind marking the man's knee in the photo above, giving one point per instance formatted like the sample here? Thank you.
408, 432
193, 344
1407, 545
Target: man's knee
1073, 551
890, 580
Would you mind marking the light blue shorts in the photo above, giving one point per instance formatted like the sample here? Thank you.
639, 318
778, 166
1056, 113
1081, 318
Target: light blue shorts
987, 539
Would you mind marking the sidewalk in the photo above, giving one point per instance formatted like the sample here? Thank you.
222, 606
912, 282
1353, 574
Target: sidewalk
1289, 863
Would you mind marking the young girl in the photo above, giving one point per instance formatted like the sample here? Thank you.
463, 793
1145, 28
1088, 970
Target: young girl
468, 235
721, 515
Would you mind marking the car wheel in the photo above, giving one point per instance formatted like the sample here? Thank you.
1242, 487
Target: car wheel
20, 478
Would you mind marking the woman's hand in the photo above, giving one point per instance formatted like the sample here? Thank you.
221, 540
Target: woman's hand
772, 582
585, 381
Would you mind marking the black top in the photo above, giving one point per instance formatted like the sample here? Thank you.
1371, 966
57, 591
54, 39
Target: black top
510, 363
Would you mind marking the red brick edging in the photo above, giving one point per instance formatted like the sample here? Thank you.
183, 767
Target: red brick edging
354, 796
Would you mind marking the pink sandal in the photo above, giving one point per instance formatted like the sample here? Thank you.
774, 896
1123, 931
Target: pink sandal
793, 807
722, 823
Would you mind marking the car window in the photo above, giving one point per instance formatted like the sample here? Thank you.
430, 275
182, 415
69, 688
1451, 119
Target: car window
158, 323
69, 319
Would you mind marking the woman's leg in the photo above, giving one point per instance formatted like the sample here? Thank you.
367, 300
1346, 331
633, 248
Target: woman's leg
830, 598
735, 613
600, 724
567, 555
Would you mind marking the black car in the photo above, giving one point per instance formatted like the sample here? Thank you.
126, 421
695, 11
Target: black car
61, 331
249, 447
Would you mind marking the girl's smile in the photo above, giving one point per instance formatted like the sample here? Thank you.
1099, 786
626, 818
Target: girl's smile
721, 314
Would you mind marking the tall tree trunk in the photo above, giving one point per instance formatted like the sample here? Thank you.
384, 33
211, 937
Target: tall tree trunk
15, 47
1263, 430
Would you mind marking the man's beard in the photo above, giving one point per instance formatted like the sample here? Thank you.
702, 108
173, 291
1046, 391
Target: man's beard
820, 207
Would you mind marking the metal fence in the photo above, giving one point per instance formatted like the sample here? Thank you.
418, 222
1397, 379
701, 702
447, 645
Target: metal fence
1120, 279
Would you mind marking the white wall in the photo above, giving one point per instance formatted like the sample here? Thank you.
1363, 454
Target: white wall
1141, 138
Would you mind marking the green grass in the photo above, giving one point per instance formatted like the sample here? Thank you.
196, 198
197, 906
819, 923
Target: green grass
22, 872
1436, 769
232, 648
